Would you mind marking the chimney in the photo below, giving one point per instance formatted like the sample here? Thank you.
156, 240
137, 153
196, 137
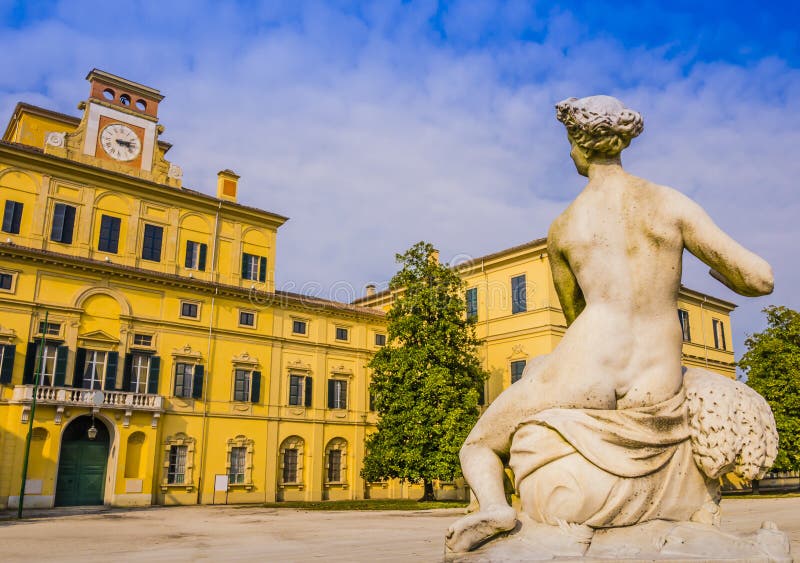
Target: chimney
370, 289
227, 185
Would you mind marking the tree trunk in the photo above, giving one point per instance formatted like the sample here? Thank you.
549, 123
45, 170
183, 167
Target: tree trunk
428, 496
756, 487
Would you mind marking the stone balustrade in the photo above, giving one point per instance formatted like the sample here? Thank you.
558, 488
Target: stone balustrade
88, 397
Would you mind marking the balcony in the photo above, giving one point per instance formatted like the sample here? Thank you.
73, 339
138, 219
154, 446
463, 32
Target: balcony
95, 399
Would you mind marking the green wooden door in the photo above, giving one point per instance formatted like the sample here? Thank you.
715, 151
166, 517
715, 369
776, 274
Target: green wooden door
82, 466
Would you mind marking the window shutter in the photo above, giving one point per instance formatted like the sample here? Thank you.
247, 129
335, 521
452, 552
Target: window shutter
111, 371
61, 366
30, 363
15, 222
57, 230
309, 386
187, 262
80, 360
69, 224
158, 234
152, 377
262, 269
127, 367
8, 216
245, 266
202, 258
7, 368
255, 389
331, 392
197, 382
114, 234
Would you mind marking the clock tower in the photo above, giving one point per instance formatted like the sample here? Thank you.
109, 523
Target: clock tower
119, 130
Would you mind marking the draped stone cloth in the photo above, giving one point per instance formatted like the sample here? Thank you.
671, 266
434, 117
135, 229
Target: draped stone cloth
630, 459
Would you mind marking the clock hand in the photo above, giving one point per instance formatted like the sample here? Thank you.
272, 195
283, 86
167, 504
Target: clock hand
128, 144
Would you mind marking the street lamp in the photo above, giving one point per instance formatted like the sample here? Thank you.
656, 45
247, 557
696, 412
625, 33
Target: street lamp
92, 431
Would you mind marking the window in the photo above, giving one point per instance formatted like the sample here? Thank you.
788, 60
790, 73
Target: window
190, 310
300, 390
184, 374
517, 367
142, 340
341, 333
140, 370
299, 327
719, 334
254, 267
52, 329
151, 243
291, 461
337, 394
241, 385
48, 367
12, 216
63, 223
7, 353
247, 318
334, 466
238, 461
109, 234
196, 255
290, 465
472, 303
518, 295
178, 464
336, 461
6, 281
683, 317
176, 470
380, 339
94, 371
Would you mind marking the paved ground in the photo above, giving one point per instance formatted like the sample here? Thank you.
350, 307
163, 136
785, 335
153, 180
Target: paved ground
277, 535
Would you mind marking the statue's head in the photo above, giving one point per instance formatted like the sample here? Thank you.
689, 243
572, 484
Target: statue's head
598, 127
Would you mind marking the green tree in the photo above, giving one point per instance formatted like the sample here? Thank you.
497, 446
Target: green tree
427, 380
772, 365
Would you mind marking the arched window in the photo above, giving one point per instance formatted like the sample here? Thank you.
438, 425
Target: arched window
291, 461
336, 462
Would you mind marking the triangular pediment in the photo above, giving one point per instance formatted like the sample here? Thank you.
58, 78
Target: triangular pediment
98, 336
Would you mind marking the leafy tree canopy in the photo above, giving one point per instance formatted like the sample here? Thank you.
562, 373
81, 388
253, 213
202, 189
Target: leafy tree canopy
772, 365
427, 380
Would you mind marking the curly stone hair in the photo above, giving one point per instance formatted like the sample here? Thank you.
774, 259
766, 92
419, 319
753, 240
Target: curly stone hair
600, 124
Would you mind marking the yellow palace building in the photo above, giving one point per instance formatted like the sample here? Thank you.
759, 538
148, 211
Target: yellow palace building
170, 369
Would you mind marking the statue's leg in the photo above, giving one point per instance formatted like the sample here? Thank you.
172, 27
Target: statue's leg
482, 458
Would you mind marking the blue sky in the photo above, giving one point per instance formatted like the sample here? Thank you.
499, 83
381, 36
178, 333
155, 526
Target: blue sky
377, 124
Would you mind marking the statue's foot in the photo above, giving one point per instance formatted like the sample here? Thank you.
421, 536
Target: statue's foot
474, 529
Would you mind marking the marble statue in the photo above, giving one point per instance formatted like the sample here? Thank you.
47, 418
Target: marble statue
616, 449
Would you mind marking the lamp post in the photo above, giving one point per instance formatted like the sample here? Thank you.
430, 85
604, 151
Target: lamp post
36, 378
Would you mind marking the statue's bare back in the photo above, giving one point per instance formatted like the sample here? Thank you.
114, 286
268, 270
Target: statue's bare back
616, 257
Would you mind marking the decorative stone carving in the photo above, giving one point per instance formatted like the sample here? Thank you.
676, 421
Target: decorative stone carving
175, 172
56, 139
616, 449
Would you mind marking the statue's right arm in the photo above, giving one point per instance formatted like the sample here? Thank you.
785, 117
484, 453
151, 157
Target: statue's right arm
732, 264
567, 288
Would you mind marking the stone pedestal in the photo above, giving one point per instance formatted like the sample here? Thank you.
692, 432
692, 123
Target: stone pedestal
657, 540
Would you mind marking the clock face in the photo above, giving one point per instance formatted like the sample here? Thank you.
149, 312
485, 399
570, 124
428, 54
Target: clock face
120, 142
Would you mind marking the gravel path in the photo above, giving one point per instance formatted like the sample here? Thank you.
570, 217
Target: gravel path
209, 533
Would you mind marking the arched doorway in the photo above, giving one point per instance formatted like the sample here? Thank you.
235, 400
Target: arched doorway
82, 464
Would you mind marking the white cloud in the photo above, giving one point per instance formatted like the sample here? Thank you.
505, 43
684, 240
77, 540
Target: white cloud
371, 133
